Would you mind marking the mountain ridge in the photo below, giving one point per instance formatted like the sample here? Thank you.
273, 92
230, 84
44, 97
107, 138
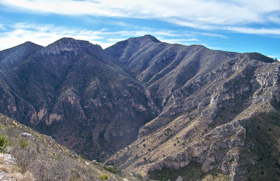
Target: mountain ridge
149, 106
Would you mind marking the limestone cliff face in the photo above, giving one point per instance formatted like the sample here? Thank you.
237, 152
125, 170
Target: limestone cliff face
152, 106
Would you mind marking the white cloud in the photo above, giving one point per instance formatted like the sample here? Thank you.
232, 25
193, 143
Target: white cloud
275, 57
180, 40
45, 34
213, 35
2, 27
261, 31
202, 14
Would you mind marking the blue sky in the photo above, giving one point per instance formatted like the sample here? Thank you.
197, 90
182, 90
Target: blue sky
231, 25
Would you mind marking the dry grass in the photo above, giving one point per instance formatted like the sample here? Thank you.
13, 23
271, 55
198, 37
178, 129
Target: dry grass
12, 170
218, 177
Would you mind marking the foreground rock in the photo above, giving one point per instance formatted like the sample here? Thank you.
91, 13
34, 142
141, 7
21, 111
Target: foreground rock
9, 170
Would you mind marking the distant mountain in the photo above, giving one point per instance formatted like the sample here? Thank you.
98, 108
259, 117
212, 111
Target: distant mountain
161, 110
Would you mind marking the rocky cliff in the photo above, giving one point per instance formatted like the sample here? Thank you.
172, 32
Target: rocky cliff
161, 110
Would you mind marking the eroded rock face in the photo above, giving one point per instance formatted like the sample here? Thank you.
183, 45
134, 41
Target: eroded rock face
217, 149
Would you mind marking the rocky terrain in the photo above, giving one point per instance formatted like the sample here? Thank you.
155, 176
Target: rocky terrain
165, 111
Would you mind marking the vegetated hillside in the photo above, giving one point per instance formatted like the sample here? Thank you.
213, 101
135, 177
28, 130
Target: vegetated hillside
28, 155
177, 111
218, 116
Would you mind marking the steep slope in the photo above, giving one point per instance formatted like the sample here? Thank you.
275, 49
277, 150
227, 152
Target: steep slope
211, 105
28, 155
73, 92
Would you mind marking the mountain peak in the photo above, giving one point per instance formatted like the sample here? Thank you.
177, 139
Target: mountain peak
133, 44
145, 38
72, 41
67, 39
69, 45
150, 37
27, 44
30, 43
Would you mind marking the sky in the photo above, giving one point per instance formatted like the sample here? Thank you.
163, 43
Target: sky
230, 25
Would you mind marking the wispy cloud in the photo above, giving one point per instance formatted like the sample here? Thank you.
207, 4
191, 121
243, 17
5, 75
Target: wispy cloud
212, 35
180, 40
45, 34
1, 27
202, 14
275, 57
261, 31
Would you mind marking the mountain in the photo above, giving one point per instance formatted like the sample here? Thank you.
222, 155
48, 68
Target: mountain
165, 111
219, 112
73, 92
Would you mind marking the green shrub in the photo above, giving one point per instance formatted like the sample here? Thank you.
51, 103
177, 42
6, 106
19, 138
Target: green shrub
113, 170
23, 143
4, 141
83, 157
94, 162
103, 177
